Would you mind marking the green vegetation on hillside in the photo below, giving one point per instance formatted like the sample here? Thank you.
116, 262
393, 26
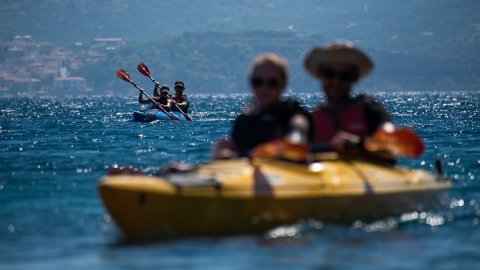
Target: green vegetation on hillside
431, 27
218, 62
417, 45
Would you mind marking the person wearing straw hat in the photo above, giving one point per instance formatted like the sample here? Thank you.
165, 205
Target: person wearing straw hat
343, 119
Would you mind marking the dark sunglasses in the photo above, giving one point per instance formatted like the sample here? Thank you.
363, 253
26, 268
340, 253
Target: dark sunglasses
348, 75
258, 82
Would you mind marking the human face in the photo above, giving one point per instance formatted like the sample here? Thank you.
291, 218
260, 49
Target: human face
267, 85
337, 81
178, 91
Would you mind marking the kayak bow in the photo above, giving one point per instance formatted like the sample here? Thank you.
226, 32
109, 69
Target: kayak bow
235, 196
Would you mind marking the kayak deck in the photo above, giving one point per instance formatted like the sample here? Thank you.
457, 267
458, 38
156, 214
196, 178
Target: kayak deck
235, 196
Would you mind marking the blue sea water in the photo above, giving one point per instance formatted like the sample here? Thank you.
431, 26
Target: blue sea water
53, 151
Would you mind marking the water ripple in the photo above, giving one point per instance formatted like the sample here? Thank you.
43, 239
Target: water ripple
54, 150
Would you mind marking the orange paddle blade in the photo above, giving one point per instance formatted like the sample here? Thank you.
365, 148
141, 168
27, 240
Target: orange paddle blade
142, 68
281, 148
123, 74
400, 142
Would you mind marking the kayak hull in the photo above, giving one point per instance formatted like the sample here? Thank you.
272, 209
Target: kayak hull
154, 115
235, 197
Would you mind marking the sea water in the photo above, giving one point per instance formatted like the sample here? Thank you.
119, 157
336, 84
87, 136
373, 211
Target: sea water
54, 150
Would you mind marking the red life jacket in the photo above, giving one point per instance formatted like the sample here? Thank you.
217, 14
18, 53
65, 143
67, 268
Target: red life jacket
352, 120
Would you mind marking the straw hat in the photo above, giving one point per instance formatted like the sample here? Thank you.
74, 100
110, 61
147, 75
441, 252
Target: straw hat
338, 52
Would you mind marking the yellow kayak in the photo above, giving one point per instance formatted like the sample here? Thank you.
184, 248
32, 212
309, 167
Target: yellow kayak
243, 196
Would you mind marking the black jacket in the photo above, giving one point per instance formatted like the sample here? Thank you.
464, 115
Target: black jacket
252, 128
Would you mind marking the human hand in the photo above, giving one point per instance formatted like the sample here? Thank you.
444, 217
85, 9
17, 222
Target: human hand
346, 142
224, 149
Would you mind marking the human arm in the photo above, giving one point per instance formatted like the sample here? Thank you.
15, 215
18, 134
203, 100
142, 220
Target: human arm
293, 146
181, 105
239, 137
184, 104
376, 115
376, 118
292, 143
224, 149
231, 147
168, 104
142, 99
299, 127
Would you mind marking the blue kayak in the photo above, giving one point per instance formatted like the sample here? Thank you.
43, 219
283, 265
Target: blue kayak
150, 115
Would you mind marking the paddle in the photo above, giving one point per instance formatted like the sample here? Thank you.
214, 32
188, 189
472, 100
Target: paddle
281, 148
123, 74
402, 142
142, 68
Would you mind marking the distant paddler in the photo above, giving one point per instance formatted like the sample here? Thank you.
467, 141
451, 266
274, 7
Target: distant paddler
160, 96
180, 100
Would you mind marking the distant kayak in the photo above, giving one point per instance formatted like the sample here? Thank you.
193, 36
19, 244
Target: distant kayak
240, 196
150, 115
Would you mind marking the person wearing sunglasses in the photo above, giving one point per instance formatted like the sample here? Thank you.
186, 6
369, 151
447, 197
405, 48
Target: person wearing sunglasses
344, 120
160, 95
180, 98
267, 117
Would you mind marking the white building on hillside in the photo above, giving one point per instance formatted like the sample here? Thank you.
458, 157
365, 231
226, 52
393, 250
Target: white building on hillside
69, 86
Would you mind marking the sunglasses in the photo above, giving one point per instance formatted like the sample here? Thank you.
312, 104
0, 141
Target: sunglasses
347, 75
258, 82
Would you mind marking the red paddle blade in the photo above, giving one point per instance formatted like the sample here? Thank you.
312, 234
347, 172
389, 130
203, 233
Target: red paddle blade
401, 141
281, 148
123, 74
142, 68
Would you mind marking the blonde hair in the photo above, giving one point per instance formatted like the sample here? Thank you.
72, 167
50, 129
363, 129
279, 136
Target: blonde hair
274, 60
